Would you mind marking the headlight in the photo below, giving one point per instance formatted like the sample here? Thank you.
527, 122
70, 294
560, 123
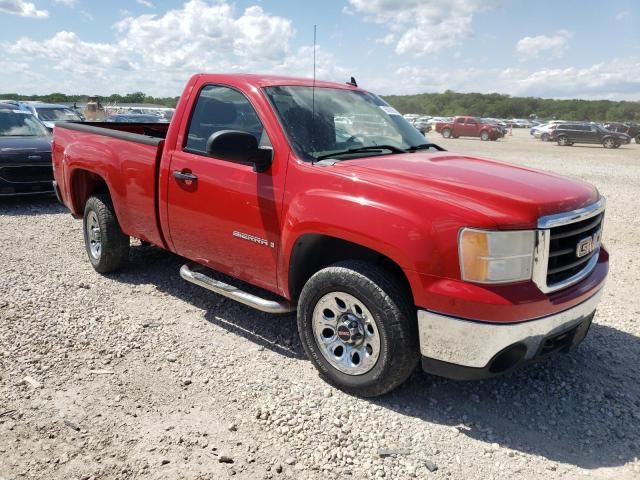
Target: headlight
496, 257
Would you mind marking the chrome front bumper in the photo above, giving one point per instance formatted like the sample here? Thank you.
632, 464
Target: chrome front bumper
474, 345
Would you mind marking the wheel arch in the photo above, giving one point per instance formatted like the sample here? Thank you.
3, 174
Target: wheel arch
312, 252
82, 185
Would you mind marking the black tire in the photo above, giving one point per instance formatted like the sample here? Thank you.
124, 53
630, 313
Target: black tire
563, 141
484, 136
544, 137
394, 316
446, 133
638, 139
112, 251
609, 143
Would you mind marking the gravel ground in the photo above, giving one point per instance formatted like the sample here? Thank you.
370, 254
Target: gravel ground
141, 375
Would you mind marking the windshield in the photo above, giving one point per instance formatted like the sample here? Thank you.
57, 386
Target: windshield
344, 119
54, 114
20, 124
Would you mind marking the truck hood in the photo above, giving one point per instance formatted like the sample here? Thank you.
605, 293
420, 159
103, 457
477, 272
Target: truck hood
509, 196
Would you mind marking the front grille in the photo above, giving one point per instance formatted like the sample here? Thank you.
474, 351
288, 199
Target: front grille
26, 173
564, 261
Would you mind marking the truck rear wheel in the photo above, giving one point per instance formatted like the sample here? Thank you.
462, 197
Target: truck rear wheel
358, 328
106, 245
446, 133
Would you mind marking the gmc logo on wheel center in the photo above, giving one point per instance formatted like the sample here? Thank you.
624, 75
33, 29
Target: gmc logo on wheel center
588, 244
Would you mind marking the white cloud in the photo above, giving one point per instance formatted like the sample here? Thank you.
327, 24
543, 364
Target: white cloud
68, 3
388, 39
423, 26
145, 3
553, 45
623, 15
22, 8
616, 79
156, 53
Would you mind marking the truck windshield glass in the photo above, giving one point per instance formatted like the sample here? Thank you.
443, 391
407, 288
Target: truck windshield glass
20, 124
57, 114
333, 121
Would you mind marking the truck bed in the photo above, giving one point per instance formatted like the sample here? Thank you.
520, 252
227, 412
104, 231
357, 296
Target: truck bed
125, 156
147, 133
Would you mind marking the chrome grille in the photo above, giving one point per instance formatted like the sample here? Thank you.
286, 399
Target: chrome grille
568, 246
564, 261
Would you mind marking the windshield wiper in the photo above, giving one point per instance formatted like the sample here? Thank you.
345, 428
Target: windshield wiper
368, 148
424, 146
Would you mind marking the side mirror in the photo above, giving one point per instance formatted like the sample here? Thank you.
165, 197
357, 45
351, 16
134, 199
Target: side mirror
241, 147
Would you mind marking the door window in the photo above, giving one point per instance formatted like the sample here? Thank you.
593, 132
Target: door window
221, 108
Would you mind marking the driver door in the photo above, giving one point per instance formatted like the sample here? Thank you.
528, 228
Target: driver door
223, 214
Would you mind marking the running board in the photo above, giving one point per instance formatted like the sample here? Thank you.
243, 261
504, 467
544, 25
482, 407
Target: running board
191, 274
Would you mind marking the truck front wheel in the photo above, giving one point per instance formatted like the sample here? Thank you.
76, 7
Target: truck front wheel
106, 245
358, 328
484, 135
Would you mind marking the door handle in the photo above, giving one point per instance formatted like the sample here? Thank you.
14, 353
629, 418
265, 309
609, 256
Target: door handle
185, 176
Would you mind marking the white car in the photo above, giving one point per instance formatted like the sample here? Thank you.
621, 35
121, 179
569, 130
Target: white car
544, 131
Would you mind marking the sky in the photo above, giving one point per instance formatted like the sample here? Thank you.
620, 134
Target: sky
569, 49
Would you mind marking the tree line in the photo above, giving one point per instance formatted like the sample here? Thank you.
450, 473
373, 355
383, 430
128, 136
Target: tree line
446, 104
135, 97
496, 105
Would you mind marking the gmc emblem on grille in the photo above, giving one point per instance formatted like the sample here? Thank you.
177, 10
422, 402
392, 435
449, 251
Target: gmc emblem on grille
588, 245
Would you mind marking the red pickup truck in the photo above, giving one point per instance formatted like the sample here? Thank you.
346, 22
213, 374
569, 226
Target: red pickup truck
392, 250
468, 127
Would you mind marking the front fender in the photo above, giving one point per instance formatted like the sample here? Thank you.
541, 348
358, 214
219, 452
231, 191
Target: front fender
403, 236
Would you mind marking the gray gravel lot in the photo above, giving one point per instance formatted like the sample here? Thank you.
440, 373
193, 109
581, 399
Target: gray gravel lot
141, 375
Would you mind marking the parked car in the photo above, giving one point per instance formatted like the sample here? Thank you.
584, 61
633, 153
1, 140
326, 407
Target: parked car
135, 118
631, 129
468, 127
544, 131
391, 250
433, 120
51, 113
567, 134
25, 153
502, 129
422, 124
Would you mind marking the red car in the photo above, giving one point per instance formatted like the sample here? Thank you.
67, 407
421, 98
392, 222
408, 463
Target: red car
391, 250
468, 127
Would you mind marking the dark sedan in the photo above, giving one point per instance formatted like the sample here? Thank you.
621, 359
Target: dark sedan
25, 153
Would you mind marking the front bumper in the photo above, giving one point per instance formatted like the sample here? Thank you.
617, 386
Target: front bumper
467, 349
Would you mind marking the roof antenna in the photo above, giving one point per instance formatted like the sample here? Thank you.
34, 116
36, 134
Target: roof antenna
352, 82
313, 87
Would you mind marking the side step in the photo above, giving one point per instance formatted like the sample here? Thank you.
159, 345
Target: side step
191, 274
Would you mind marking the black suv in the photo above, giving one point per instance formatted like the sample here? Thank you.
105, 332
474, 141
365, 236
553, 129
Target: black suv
569, 133
631, 129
